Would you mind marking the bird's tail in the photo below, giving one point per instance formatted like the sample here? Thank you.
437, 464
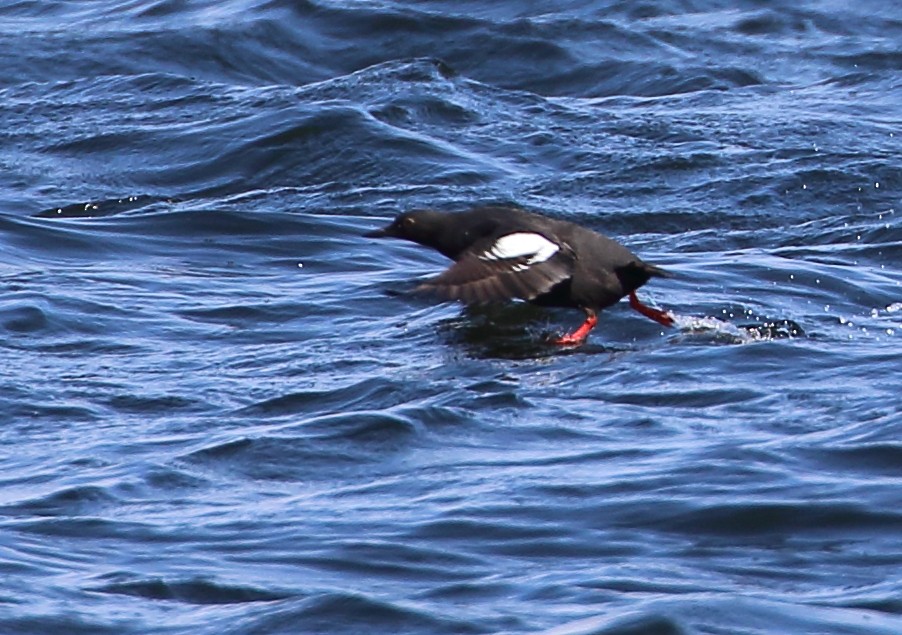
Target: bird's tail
636, 273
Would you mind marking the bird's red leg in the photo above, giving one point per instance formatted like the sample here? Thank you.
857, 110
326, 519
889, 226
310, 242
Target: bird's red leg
659, 316
579, 335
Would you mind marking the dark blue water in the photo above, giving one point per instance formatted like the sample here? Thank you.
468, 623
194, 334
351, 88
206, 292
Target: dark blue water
219, 415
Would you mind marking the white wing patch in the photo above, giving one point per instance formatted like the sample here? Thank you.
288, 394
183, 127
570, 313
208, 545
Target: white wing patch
534, 247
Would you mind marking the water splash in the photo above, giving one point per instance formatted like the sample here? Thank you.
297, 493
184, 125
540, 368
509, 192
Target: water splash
719, 330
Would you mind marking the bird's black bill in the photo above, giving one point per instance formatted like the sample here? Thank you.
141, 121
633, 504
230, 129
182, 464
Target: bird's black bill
382, 232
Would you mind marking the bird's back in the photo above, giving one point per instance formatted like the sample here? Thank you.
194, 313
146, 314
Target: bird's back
604, 271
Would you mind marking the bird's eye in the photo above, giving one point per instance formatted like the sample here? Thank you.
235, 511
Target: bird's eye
409, 221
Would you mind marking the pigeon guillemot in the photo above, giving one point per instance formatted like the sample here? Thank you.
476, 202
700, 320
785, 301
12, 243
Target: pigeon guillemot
503, 253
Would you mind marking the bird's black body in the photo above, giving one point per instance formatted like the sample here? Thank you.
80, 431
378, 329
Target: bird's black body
502, 253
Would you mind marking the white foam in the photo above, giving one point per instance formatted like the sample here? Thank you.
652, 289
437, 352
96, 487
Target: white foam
701, 324
721, 330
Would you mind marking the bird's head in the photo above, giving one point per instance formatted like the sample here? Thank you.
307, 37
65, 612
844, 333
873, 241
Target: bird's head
420, 226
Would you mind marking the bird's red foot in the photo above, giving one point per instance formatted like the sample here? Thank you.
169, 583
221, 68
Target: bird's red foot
659, 316
579, 335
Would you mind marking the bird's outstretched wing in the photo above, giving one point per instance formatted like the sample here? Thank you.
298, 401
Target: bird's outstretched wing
521, 264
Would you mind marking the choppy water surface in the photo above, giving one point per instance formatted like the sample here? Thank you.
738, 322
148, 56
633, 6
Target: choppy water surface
220, 416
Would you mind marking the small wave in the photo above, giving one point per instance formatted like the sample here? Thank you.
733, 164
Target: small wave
189, 591
155, 404
722, 612
374, 392
33, 409
761, 518
635, 622
100, 208
392, 559
84, 500
320, 448
352, 613
23, 318
877, 459
71, 623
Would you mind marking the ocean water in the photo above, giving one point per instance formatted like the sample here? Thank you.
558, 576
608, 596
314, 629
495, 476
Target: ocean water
221, 414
